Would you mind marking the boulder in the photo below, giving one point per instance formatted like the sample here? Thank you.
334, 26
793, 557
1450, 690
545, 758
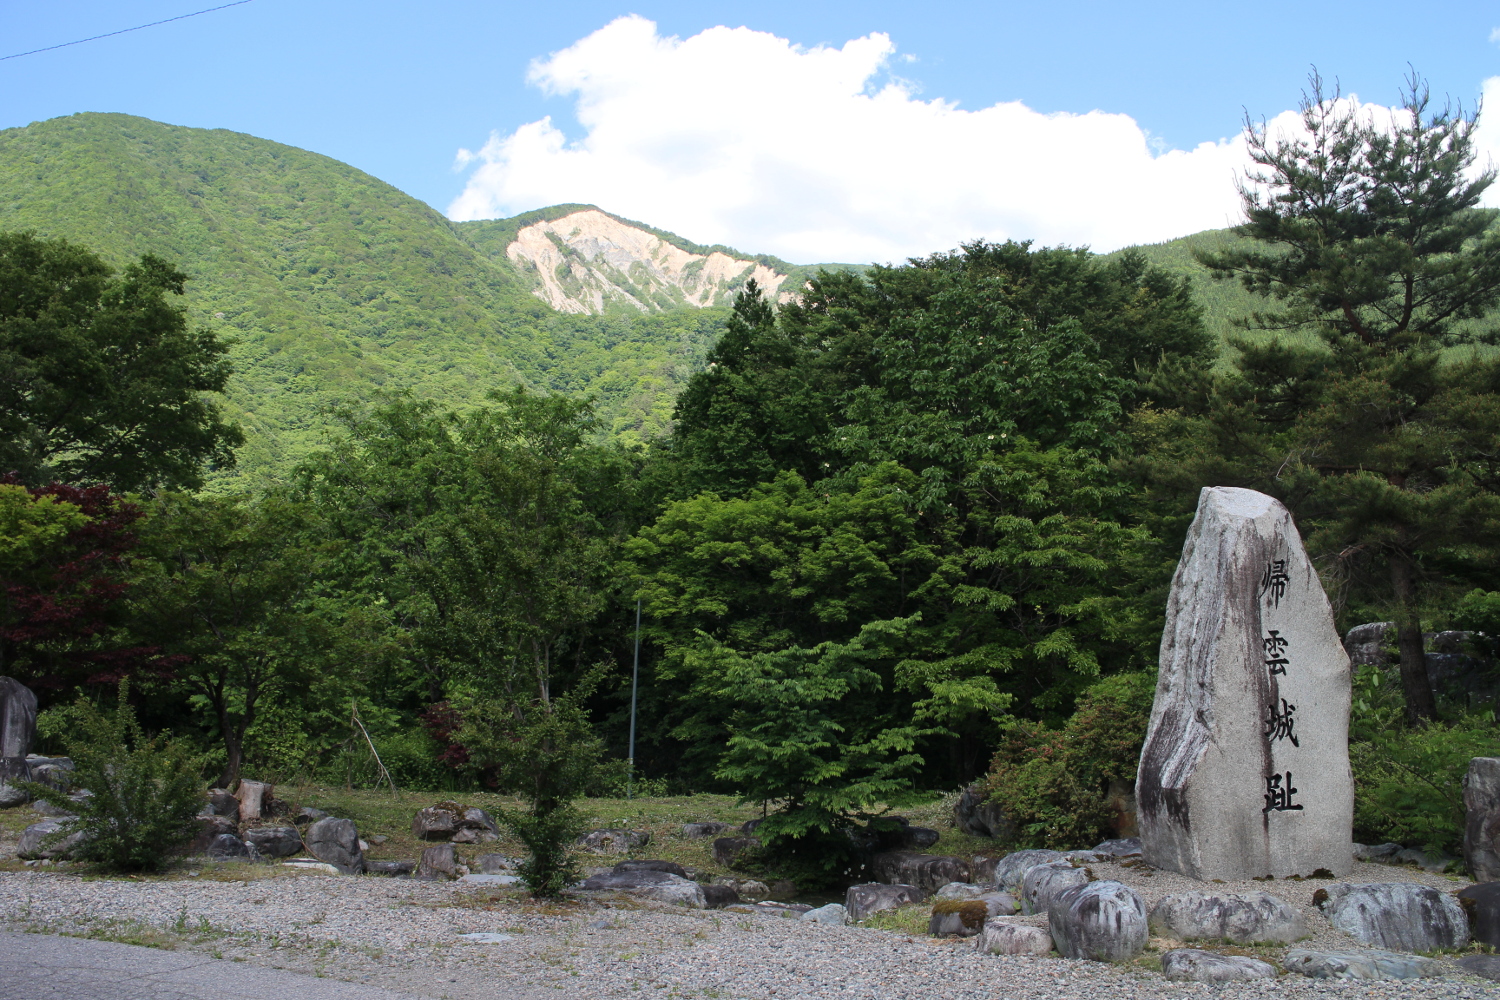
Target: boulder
829, 914
1013, 936
614, 841
228, 847
52, 775
1192, 965
17, 718
1124, 847
55, 811
1043, 883
1366, 644
1360, 965
307, 814
861, 901
978, 818
1395, 915
223, 803
1382, 854
1482, 905
336, 841
651, 866
1245, 768
962, 890
393, 868
1435, 862
209, 827
727, 849
748, 888
275, 841
495, 864
438, 862
716, 897
749, 827
957, 918
918, 837
13, 771
435, 823
255, 800
663, 887
1011, 870
48, 839
1484, 966
705, 831
1482, 819
475, 818
928, 872
1251, 918
1102, 921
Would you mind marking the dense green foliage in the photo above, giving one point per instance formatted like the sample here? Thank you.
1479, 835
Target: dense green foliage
146, 790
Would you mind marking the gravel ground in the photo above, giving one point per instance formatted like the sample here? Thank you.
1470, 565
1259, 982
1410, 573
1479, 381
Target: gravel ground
403, 935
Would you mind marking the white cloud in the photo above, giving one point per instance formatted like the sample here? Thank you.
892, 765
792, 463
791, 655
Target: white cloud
736, 136
1495, 35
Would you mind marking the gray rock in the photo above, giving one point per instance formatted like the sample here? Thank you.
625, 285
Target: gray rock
336, 841
1000, 904
1102, 921
223, 803
978, 818
48, 839
1482, 903
438, 862
1396, 915
1382, 854
434, 823
255, 800
1245, 769
228, 847
614, 841
928, 872
663, 887
1124, 847
210, 827
1484, 966
962, 890
1436, 862
55, 811
716, 897
1192, 965
495, 864
1366, 644
1482, 818
1251, 918
307, 814
17, 718
727, 849
52, 775
919, 837
861, 901
750, 889
957, 918
1013, 936
749, 827
705, 831
393, 868
477, 819
1042, 884
831, 914
1010, 871
275, 841
13, 771
671, 867
1360, 965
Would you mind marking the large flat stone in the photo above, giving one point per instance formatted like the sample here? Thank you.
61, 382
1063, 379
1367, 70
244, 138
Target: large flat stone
1372, 965
861, 901
1396, 915
1245, 769
1249, 918
928, 872
1193, 965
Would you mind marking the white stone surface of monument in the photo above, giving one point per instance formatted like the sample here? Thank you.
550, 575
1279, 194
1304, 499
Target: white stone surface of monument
1245, 769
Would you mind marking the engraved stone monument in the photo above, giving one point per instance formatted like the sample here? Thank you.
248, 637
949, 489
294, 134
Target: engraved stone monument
1245, 770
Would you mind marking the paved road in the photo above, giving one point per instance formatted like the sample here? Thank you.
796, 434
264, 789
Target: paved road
46, 967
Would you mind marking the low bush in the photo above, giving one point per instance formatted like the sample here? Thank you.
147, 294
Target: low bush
146, 790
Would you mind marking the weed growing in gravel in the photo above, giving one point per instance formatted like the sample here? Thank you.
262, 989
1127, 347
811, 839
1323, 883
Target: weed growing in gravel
902, 920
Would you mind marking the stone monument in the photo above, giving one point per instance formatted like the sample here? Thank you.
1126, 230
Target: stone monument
1245, 770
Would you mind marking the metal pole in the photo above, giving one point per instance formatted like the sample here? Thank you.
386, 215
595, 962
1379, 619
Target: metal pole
635, 678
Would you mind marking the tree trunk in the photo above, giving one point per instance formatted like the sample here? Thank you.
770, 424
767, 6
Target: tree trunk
1414, 684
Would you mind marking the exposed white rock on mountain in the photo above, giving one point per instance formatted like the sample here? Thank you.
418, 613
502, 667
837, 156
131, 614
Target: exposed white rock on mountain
588, 260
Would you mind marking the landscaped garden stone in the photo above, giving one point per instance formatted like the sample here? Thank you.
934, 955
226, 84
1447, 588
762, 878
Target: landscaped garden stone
978, 818
438, 862
1010, 870
957, 917
435, 823
336, 841
307, 814
51, 774
716, 897
929, 872
1245, 769
209, 827
1250, 918
394, 868
861, 901
1397, 915
14, 771
1014, 936
1360, 965
1123, 847
228, 847
1484, 966
1042, 884
614, 841
1103, 921
495, 864
831, 914
726, 849
1482, 904
1482, 818
1383, 854
652, 866
221, 802
17, 719
705, 831
34, 845
1193, 965
661, 886
274, 841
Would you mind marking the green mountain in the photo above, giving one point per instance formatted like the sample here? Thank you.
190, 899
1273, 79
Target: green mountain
335, 285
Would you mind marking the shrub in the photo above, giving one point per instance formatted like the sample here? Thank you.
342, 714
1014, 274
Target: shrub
1054, 783
146, 791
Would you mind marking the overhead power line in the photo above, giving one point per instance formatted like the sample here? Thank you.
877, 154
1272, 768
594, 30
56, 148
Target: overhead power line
138, 27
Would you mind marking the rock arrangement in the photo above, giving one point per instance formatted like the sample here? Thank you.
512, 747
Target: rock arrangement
613, 841
455, 823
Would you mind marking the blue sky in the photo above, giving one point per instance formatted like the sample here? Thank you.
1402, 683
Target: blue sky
399, 89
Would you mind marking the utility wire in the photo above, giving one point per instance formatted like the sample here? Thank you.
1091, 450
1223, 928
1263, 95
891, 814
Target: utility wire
110, 34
